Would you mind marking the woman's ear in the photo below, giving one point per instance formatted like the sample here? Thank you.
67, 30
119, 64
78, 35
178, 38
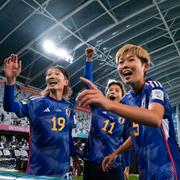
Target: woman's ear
66, 82
146, 66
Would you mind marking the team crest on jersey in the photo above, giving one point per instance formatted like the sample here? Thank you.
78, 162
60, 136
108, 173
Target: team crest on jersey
157, 94
68, 111
143, 102
121, 120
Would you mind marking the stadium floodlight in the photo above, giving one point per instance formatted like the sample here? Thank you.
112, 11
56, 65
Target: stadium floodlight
50, 47
63, 54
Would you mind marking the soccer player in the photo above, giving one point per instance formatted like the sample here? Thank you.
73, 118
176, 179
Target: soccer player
147, 106
51, 121
107, 133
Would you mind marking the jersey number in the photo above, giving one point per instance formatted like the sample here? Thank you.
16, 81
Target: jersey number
61, 123
107, 122
136, 129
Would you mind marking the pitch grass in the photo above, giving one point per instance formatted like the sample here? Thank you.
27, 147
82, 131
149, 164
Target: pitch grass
131, 177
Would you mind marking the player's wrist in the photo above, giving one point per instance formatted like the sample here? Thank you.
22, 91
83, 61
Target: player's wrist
127, 168
89, 60
10, 81
109, 105
114, 155
89, 54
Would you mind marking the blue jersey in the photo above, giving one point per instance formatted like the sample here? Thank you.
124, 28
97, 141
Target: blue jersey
107, 133
50, 132
156, 148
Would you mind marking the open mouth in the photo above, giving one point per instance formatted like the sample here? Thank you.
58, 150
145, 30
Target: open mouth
52, 82
112, 97
127, 73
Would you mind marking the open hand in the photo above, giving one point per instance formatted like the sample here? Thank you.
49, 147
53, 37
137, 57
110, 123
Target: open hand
12, 68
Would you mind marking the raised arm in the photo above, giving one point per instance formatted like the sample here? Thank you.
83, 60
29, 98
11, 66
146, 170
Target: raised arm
89, 52
152, 116
12, 68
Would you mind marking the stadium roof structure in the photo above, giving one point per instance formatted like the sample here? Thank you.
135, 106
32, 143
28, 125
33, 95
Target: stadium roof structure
104, 24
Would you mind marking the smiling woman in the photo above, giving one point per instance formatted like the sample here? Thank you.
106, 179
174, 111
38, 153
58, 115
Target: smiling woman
57, 79
51, 121
129, 66
147, 106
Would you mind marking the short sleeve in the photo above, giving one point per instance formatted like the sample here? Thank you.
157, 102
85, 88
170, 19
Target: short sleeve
157, 95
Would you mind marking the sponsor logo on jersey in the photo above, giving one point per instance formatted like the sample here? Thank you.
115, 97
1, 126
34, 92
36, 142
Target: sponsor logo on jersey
47, 110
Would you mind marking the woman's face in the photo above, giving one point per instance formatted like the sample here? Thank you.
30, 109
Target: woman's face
132, 70
114, 92
55, 79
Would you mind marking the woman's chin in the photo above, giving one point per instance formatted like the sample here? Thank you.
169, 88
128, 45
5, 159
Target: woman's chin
126, 81
52, 89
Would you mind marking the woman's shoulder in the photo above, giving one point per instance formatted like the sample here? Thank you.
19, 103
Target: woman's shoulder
65, 101
35, 99
153, 84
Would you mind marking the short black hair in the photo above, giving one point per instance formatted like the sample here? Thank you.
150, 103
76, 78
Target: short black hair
119, 83
65, 73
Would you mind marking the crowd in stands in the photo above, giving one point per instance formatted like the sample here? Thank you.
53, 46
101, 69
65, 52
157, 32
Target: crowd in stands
13, 148
11, 118
13, 152
11, 143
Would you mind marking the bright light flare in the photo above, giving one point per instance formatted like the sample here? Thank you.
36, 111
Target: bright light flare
50, 47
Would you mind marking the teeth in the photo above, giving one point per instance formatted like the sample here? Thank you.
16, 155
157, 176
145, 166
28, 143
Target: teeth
127, 72
52, 81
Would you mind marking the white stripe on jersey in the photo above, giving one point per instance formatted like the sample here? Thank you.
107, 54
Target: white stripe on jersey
159, 83
35, 97
151, 83
165, 124
154, 84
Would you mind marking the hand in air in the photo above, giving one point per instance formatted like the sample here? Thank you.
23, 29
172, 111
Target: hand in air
92, 96
12, 68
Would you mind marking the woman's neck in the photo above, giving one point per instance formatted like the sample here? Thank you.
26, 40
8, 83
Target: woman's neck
138, 86
58, 95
